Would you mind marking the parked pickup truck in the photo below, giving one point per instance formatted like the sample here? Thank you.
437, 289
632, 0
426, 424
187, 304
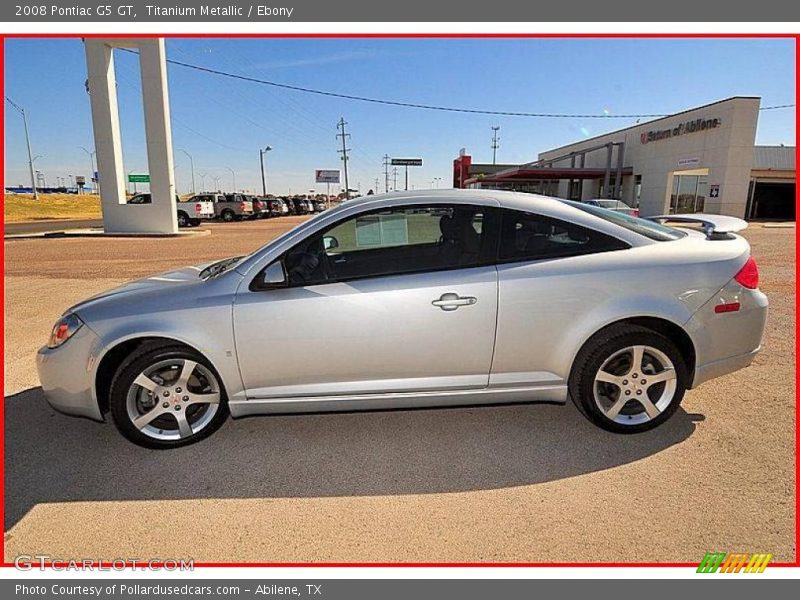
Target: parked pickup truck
190, 212
232, 207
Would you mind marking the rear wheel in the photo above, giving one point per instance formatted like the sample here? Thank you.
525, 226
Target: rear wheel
228, 215
195, 222
166, 396
628, 379
183, 219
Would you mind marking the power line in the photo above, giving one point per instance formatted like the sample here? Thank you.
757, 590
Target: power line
507, 113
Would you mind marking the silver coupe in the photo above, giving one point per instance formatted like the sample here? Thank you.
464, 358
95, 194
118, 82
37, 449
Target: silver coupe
420, 299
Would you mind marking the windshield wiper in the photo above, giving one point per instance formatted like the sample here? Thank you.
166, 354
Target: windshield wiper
219, 267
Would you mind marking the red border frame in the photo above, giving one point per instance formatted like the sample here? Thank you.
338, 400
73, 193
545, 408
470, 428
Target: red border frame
796, 37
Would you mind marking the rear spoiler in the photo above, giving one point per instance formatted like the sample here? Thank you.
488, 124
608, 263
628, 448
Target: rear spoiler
714, 226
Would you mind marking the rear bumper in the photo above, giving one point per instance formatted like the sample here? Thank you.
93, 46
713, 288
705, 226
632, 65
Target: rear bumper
67, 373
723, 367
727, 342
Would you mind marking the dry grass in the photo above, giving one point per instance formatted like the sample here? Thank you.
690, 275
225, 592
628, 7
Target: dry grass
22, 207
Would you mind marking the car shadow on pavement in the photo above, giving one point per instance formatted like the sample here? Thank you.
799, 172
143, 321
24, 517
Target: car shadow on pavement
53, 458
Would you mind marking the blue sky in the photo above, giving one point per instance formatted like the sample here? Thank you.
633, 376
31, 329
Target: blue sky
223, 122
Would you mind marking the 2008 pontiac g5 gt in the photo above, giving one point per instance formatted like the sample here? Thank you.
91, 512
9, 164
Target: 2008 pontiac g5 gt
420, 299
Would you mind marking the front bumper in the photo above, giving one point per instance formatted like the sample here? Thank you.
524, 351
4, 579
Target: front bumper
67, 374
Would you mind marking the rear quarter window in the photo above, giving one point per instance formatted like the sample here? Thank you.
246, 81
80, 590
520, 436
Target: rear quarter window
527, 236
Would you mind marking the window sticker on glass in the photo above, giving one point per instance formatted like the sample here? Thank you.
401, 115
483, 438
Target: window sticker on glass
394, 230
368, 231
381, 230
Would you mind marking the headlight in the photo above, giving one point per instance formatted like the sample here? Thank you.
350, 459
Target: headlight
64, 329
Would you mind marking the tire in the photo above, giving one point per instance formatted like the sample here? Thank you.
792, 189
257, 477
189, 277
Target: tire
145, 389
228, 215
183, 219
195, 222
603, 388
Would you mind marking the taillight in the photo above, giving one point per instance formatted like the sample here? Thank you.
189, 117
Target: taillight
198, 207
241, 206
636, 213
748, 275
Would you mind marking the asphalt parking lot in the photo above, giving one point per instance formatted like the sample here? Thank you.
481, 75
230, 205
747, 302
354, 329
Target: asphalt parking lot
526, 483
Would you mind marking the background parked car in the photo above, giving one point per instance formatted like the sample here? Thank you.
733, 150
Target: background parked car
190, 212
617, 205
277, 207
232, 207
261, 208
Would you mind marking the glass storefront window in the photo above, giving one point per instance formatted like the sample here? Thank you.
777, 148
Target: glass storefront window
688, 194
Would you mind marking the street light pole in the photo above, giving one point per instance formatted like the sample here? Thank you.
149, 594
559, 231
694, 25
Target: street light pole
91, 164
233, 176
28, 141
191, 163
261, 154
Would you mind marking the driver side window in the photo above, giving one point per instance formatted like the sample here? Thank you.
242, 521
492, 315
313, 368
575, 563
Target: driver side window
392, 242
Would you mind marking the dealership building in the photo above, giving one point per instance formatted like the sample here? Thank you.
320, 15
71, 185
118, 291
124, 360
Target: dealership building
699, 160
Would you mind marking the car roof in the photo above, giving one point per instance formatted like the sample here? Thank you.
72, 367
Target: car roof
513, 200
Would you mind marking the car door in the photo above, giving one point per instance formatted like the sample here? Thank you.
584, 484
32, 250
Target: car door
403, 300
551, 275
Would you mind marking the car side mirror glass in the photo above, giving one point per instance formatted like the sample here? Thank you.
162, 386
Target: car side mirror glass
275, 275
330, 242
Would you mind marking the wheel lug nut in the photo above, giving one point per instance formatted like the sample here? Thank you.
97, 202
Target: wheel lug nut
178, 390
627, 392
644, 381
638, 392
165, 405
624, 382
186, 398
166, 394
177, 407
635, 375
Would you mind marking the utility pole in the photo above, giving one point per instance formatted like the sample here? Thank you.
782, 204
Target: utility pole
495, 143
376, 185
261, 154
344, 135
191, 164
28, 141
386, 162
394, 178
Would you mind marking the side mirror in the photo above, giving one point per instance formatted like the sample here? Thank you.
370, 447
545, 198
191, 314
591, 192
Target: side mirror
330, 242
274, 275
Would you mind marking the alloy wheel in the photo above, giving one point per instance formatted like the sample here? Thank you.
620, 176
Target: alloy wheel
635, 385
173, 399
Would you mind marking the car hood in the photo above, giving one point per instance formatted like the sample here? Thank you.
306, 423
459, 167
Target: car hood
169, 280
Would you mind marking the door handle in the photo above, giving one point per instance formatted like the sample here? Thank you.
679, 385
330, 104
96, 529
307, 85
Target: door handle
452, 301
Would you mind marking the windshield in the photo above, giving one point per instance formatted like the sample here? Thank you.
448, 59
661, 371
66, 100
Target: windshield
649, 229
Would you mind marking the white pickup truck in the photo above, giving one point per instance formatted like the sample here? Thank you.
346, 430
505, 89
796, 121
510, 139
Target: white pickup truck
190, 212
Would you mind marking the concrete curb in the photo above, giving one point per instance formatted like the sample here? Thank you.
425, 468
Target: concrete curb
77, 233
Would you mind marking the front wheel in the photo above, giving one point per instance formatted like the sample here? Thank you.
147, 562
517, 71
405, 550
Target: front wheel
227, 216
167, 396
628, 379
183, 219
